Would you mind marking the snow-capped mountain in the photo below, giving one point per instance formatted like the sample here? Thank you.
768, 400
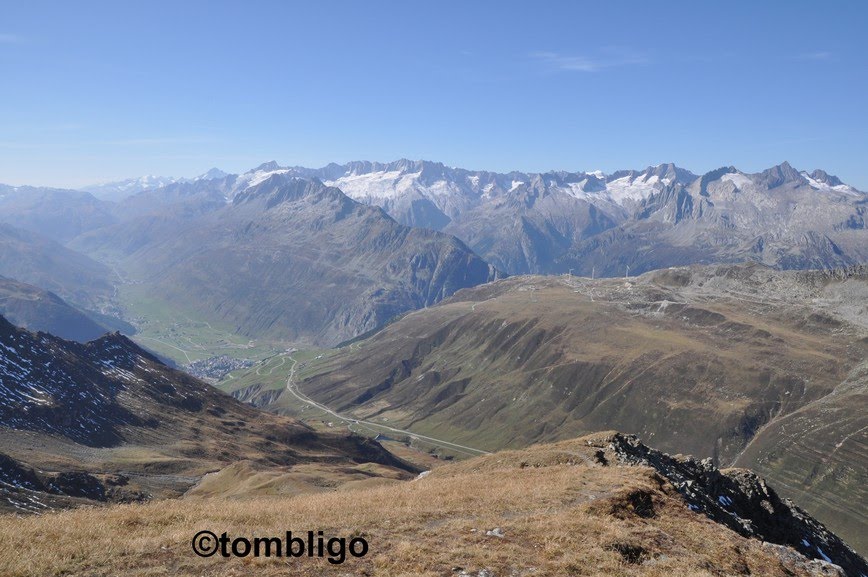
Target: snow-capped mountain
399, 186
305, 261
780, 217
122, 189
531, 222
518, 221
380, 184
550, 222
212, 174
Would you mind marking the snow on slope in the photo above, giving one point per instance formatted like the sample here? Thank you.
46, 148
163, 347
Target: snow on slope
381, 186
628, 188
844, 188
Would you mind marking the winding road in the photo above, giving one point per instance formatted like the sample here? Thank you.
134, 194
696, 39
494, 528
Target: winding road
292, 388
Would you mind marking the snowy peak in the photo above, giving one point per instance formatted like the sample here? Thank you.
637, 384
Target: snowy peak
269, 166
119, 190
823, 181
212, 174
385, 183
122, 189
825, 178
664, 173
630, 186
282, 186
258, 175
670, 173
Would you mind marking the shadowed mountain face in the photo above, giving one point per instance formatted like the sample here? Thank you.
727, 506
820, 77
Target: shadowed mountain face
34, 259
742, 364
38, 310
110, 422
293, 259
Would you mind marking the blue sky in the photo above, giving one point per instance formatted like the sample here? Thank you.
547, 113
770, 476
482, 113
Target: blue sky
93, 91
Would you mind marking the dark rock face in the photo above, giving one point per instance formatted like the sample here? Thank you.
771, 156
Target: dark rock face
51, 385
742, 501
15, 474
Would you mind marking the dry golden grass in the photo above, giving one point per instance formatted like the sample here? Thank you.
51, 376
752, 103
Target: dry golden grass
560, 514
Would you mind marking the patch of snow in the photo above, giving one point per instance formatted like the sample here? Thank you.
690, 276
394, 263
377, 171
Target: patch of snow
740, 180
843, 188
377, 185
823, 555
625, 188
261, 176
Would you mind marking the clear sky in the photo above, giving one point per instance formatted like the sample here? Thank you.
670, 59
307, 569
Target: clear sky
93, 91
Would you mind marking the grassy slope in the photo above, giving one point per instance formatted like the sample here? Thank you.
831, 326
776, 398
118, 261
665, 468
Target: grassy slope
503, 366
560, 516
509, 371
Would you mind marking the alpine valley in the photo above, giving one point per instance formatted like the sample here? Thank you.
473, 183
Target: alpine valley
438, 358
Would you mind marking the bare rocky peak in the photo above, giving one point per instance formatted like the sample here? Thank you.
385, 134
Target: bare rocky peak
826, 178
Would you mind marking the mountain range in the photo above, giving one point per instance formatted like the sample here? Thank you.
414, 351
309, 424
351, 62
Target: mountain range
594, 222
174, 233
121, 189
290, 259
549, 222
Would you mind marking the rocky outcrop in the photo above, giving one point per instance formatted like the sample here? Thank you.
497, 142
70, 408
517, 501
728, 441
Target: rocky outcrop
742, 501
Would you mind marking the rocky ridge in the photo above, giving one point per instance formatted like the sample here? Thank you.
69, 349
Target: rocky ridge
744, 502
